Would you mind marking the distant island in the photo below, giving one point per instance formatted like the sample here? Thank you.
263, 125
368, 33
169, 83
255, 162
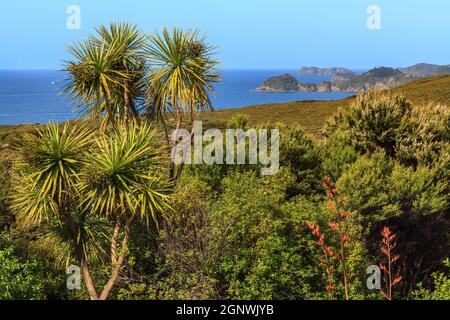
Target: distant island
345, 80
283, 83
336, 74
426, 70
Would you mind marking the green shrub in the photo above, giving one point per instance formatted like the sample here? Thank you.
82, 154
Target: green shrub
379, 188
337, 153
26, 279
375, 121
441, 287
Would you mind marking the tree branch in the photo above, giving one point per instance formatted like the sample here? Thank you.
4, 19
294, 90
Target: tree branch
115, 274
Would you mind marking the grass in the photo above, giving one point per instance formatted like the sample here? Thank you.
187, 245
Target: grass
10, 132
433, 89
310, 115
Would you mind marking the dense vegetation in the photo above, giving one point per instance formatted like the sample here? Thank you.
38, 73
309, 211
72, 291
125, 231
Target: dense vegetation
371, 188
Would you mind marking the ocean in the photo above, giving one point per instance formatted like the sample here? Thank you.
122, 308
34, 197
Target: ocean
33, 96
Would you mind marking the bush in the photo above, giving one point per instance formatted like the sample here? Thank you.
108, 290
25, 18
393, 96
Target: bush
413, 135
424, 138
441, 287
6, 165
375, 121
26, 279
300, 155
177, 263
379, 189
337, 154
268, 251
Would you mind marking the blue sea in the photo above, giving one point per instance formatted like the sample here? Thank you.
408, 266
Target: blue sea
33, 96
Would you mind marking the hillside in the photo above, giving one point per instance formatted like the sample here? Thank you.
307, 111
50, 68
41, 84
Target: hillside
336, 74
381, 78
435, 89
344, 80
376, 79
311, 115
283, 83
426, 70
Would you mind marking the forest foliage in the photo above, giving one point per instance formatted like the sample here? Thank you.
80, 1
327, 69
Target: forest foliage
233, 234
103, 195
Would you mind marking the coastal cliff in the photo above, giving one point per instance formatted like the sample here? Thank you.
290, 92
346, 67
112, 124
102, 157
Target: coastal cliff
283, 83
381, 78
336, 74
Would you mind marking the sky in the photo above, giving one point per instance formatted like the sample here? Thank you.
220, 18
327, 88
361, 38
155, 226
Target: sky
249, 34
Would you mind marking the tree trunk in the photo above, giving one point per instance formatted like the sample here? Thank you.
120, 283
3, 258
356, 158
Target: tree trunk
115, 274
80, 255
181, 167
87, 277
179, 120
115, 238
108, 110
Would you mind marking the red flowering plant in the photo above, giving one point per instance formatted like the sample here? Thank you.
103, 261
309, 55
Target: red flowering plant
338, 226
388, 244
328, 256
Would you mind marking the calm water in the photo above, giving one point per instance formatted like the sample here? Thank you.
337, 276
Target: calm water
32, 96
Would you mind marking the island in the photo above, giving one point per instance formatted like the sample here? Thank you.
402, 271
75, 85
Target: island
283, 83
426, 70
336, 73
380, 78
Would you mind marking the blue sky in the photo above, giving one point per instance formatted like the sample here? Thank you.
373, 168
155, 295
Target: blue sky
250, 34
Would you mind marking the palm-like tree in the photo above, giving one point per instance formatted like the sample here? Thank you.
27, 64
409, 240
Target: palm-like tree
46, 188
122, 182
83, 183
181, 77
107, 74
49, 173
